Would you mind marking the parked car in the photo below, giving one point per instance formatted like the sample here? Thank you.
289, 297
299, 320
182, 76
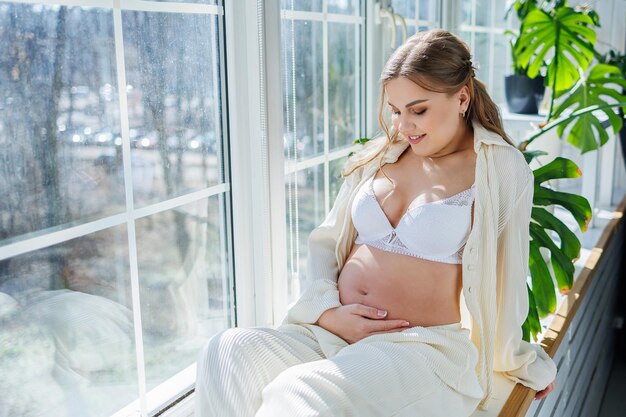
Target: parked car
149, 140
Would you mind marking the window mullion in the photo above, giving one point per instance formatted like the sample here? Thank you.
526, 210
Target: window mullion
274, 114
249, 164
130, 225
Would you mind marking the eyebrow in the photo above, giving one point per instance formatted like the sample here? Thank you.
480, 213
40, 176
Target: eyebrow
414, 102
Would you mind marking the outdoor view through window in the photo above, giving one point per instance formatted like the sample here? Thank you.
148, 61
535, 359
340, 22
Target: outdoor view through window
109, 197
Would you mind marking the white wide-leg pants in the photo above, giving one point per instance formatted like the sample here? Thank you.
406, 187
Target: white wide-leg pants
306, 371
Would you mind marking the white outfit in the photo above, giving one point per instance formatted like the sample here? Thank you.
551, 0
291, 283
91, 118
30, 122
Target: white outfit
233, 370
284, 372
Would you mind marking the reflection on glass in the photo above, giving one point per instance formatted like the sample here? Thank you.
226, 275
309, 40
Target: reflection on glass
466, 12
410, 31
302, 5
174, 104
405, 8
303, 116
60, 153
343, 6
305, 211
484, 11
481, 56
500, 68
184, 281
188, 1
66, 331
342, 84
335, 178
499, 12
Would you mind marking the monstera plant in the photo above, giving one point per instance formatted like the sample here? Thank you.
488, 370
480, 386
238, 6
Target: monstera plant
560, 40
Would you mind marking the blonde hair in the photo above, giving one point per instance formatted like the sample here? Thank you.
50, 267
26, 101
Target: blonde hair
438, 61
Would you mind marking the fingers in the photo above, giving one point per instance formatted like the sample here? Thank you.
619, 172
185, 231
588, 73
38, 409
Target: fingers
544, 393
369, 312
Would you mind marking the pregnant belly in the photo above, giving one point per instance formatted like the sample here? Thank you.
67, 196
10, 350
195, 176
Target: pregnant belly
423, 292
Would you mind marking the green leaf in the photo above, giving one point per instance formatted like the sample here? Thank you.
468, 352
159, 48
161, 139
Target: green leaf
542, 286
361, 141
561, 264
532, 325
577, 205
565, 36
559, 167
586, 131
570, 245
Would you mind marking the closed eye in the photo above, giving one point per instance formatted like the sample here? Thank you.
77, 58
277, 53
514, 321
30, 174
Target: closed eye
394, 112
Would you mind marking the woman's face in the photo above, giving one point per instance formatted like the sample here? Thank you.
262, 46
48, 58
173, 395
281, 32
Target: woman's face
431, 122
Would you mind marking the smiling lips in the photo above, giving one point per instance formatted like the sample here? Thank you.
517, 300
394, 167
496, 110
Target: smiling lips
415, 139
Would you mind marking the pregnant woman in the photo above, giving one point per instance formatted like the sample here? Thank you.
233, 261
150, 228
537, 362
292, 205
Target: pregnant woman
436, 208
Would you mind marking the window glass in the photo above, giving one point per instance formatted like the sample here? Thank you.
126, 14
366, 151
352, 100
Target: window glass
466, 12
184, 276
405, 8
70, 245
60, 153
343, 6
303, 115
66, 329
483, 18
428, 9
481, 56
302, 5
173, 103
336, 179
185, 1
305, 211
500, 68
342, 84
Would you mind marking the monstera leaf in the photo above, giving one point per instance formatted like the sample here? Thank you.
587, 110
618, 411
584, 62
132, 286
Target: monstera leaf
531, 326
593, 90
543, 225
562, 34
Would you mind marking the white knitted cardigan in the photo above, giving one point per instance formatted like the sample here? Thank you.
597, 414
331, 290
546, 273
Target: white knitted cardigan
495, 261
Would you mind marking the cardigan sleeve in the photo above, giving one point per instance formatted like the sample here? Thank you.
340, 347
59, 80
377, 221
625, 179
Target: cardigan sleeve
520, 361
320, 289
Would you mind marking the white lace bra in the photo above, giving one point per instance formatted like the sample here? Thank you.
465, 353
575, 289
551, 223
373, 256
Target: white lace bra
436, 231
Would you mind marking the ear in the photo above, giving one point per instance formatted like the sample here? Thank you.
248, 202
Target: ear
463, 97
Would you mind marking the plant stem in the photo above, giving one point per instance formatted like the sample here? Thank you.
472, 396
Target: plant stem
557, 122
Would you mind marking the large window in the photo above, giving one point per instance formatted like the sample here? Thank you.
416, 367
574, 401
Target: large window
322, 71
115, 259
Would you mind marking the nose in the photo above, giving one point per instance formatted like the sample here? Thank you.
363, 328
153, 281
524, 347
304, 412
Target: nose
405, 124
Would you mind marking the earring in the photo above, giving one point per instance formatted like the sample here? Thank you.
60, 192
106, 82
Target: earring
464, 113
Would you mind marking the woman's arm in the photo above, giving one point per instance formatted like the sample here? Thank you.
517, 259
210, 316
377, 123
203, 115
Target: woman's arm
520, 361
320, 289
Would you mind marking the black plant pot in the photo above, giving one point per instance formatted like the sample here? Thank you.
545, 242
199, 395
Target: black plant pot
523, 94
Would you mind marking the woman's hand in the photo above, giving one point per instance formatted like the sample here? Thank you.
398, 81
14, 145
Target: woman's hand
544, 392
354, 322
